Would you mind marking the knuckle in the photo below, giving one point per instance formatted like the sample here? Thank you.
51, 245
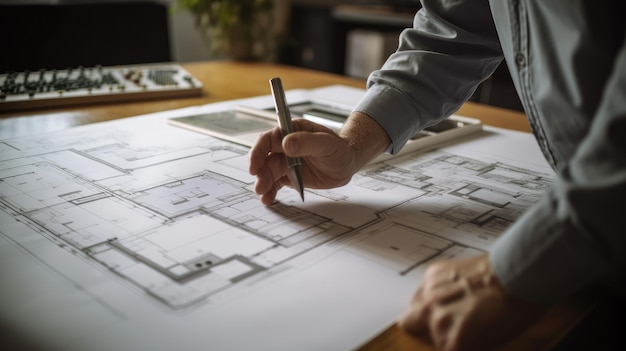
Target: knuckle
440, 320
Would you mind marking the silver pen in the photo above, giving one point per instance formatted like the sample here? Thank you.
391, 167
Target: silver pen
284, 123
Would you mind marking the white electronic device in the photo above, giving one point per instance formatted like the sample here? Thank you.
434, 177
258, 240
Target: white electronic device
243, 124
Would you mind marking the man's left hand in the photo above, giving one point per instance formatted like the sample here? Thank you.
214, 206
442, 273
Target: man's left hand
461, 305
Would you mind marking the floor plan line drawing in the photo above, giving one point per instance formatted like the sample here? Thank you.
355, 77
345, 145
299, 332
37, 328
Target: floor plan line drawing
158, 228
168, 219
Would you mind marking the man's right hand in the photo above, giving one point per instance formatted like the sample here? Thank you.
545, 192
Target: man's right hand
328, 159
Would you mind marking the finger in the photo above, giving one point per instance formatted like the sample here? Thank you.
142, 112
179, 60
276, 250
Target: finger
302, 124
444, 292
437, 276
442, 328
436, 322
414, 321
439, 286
475, 314
272, 171
475, 270
302, 144
265, 144
306, 132
425, 313
269, 197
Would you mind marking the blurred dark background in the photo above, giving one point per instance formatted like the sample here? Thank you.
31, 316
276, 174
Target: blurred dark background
350, 37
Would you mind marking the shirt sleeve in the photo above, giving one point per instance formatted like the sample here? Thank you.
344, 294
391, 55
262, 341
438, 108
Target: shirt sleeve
452, 47
576, 236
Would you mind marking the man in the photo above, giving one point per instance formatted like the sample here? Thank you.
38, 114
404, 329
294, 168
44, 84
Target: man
568, 62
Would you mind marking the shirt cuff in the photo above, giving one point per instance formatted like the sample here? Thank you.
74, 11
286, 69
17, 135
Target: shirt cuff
544, 257
393, 111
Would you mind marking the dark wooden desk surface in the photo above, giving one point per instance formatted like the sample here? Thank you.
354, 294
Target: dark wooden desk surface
234, 80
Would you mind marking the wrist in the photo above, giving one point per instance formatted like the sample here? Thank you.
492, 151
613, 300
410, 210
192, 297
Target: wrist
365, 137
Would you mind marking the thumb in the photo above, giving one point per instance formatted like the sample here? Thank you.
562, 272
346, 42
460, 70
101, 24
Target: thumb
414, 321
320, 144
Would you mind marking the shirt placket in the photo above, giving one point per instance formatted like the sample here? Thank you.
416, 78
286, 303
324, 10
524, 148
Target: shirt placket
522, 63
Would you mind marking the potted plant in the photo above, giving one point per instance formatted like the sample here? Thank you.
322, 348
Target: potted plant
238, 29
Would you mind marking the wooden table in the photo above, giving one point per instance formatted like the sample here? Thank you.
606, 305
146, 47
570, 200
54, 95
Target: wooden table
222, 81
235, 80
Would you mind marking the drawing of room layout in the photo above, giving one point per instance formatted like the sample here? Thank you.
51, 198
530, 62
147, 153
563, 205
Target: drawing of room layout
181, 223
189, 233
464, 200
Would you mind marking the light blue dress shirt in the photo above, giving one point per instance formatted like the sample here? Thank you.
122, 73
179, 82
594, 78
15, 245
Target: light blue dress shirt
567, 59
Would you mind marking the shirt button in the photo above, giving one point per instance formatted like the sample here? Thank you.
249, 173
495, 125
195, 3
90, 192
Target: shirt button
520, 59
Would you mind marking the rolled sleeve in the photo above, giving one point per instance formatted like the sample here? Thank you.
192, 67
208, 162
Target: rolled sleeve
452, 47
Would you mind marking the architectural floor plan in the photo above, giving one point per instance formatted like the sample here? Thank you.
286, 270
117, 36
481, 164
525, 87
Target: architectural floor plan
168, 216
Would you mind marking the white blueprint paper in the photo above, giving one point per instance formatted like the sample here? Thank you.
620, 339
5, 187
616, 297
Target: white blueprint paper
137, 235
